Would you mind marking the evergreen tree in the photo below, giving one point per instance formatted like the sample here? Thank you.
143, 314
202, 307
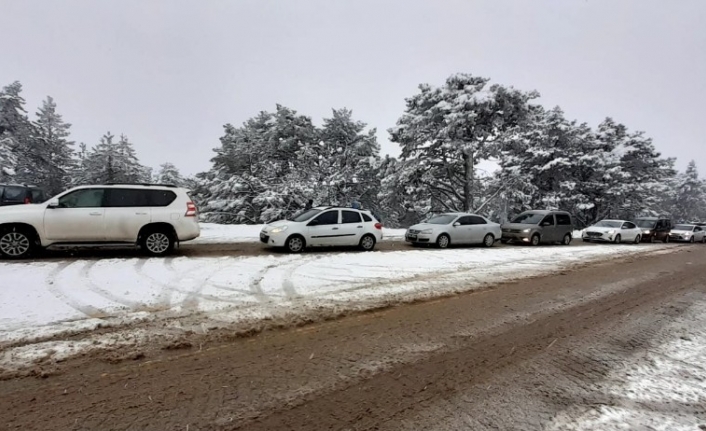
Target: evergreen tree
15, 135
111, 162
169, 174
689, 203
51, 135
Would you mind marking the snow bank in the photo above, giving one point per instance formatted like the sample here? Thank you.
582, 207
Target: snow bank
226, 234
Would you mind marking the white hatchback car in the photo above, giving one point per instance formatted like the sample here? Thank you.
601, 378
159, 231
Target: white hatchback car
687, 233
153, 217
324, 227
616, 231
455, 228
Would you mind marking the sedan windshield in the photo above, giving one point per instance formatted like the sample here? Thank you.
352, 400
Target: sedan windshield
304, 216
688, 227
442, 219
528, 218
607, 223
649, 224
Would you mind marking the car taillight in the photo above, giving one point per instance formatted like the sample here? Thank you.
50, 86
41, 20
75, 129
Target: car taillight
378, 226
28, 201
190, 209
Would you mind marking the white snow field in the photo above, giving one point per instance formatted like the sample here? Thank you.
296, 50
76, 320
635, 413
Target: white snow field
43, 301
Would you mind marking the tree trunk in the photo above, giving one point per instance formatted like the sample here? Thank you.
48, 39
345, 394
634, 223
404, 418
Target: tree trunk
467, 181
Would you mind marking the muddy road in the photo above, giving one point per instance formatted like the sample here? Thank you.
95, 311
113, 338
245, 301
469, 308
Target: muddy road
513, 356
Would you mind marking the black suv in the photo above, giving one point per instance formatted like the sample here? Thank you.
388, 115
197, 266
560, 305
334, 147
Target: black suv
14, 194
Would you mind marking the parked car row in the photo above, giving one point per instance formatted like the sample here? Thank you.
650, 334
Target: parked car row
647, 229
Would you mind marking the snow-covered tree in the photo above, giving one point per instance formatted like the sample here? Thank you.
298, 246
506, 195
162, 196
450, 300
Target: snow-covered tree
445, 131
52, 137
113, 162
169, 174
15, 134
690, 200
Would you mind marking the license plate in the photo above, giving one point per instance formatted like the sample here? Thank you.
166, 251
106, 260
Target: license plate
412, 236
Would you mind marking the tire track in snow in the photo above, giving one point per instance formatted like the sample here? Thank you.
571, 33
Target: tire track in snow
95, 288
53, 286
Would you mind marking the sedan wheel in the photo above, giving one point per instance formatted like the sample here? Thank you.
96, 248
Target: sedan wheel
692, 240
637, 240
15, 245
618, 239
443, 241
489, 240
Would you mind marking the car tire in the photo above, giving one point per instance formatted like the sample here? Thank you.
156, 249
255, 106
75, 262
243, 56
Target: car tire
637, 240
158, 242
295, 244
666, 239
692, 240
16, 243
567, 239
536, 239
652, 239
489, 240
443, 241
367, 243
618, 239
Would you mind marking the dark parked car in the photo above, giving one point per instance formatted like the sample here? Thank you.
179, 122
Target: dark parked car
13, 194
535, 227
654, 228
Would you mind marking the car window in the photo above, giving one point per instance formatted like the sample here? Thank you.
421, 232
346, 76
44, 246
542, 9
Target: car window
121, 198
160, 198
548, 219
563, 219
37, 196
464, 221
629, 225
350, 217
366, 217
697, 229
84, 198
14, 194
329, 217
477, 220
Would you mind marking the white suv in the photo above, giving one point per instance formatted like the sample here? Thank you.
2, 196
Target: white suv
322, 227
153, 217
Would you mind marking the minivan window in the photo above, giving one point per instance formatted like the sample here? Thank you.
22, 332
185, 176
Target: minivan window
37, 196
14, 193
528, 218
549, 220
649, 224
563, 219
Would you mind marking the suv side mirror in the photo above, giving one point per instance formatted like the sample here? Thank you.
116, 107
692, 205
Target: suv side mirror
54, 203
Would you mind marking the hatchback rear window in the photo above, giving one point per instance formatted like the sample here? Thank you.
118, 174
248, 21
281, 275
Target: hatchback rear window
366, 217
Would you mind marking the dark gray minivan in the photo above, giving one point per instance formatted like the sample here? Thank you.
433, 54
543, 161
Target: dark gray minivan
539, 227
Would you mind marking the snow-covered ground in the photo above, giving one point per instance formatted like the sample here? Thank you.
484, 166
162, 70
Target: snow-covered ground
40, 301
226, 234
661, 388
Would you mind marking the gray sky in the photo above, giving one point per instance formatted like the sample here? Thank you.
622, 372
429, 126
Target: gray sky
170, 73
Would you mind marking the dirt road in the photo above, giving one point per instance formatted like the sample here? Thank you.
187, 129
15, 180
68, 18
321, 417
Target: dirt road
509, 357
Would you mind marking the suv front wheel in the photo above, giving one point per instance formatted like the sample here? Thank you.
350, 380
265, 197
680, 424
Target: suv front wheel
15, 243
157, 242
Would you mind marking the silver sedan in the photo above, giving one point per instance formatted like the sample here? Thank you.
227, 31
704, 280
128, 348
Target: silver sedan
454, 228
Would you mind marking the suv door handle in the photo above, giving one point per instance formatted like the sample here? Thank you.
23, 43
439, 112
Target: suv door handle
95, 214
335, 228
360, 227
138, 213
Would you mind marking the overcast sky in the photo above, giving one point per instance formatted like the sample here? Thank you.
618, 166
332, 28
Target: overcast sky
170, 73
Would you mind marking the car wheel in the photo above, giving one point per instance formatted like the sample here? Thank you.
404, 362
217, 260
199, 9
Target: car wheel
618, 239
703, 239
567, 239
295, 244
691, 241
666, 239
535, 239
637, 240
158, 243
443, 241
367, 243
652, 239
489, 240
16, 243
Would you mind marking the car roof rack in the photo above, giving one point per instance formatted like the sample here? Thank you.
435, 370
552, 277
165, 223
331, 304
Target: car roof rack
141, 184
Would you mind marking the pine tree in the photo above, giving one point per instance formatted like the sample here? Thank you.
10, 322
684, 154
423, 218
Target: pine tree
449, 129
169, 174
51, 135
15, 135
111, 162
689, 203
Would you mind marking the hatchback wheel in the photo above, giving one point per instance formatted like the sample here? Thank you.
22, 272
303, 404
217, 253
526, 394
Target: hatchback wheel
535, 239
158, 243
692, 240
489, 240
567, 239
15, 244
652, 239
637, 240
367, 243
443, 241
295, 244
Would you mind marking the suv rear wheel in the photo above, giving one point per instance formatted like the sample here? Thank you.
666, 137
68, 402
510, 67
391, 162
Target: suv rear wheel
158, 242
16, 243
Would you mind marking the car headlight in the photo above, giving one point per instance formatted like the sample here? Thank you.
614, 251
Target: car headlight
279, 229
612, 232
647, 232
427, 231
526, 231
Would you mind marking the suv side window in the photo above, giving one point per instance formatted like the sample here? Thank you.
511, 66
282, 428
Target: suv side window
548, 219
350, 217
84, 198
563, 219
161, 198
327, 218
121, 198
477, 220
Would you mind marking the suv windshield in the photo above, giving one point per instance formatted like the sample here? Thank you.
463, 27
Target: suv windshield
646, 223
606, 223
304, 216
528, 218
442, 219
688, 227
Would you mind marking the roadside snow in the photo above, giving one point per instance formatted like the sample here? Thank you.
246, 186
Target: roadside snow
662, 388
226, 234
